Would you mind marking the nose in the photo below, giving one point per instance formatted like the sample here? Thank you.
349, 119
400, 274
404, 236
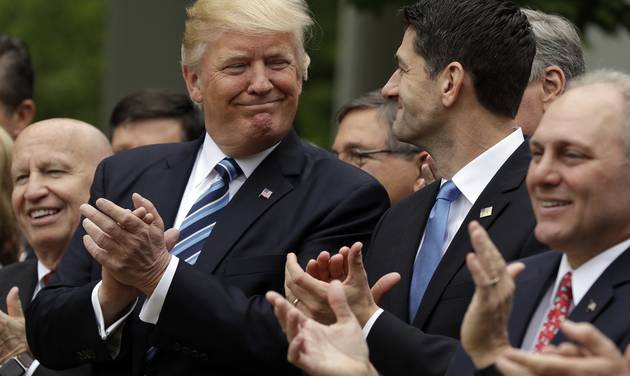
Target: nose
543, 172
390, 90
35, 188
260, 83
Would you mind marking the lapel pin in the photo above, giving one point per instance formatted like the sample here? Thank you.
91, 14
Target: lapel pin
485, 212
591, 307
265, 194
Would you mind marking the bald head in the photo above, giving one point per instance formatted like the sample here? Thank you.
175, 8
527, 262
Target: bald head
53, 167
86, 139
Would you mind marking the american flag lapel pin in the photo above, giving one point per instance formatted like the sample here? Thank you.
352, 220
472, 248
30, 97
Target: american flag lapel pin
485, 212
265, 194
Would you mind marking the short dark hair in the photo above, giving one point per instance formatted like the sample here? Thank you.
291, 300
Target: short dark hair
490, 38
16, 72
159, 103
387, 109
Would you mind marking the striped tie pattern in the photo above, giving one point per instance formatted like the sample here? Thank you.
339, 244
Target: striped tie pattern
202, 217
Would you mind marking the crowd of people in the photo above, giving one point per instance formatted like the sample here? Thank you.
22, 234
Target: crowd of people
473, 218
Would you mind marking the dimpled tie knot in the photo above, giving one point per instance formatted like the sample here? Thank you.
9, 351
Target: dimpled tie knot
202, 217
431, 250
557, 313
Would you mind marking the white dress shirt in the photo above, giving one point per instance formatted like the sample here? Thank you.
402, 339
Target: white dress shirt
199, 181
471, 180
582, 279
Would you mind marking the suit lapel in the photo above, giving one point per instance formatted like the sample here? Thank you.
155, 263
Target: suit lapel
600, 295
27, 282
531, 287
248, 204
404, 253
165, 183
509, 177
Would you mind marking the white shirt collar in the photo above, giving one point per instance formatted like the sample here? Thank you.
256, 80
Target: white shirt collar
210, 154
473, 178
586, 274
42, 270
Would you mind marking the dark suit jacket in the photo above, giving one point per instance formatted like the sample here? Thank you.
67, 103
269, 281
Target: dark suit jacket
426, 346
24, 276
610, 293
215, 319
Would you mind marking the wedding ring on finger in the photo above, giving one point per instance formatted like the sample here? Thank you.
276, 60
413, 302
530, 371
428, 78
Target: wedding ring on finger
295, 302
494, 281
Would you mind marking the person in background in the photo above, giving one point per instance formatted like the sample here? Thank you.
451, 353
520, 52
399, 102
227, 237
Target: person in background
559, 58
365, 139
10, 244
53, 164
17, 106
154, 116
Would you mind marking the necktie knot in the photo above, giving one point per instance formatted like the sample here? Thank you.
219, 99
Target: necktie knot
448, 192
47, 277
228, 169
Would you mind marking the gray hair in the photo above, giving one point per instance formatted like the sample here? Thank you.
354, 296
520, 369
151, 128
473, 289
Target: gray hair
557, 43
387, 110
206, 19
619, 80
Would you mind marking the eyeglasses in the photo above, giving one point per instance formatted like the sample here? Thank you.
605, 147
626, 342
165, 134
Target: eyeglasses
359, 157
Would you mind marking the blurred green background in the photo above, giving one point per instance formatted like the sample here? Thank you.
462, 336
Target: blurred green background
81, 72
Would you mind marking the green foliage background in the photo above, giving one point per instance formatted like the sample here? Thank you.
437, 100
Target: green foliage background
66, 38
66, 43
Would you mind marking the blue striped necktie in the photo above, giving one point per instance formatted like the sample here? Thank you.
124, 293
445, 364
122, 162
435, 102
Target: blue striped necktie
431, 250
202, 217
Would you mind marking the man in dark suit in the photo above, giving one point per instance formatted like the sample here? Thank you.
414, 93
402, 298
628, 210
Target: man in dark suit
578, 182
251, 187
51, 177
462, 70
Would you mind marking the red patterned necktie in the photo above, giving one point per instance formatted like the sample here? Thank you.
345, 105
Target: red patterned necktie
557, 313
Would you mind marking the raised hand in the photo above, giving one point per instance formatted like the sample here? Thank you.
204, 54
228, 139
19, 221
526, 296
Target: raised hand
310, 294
335, 350
484, 329
592, 353
12, 331
133, 251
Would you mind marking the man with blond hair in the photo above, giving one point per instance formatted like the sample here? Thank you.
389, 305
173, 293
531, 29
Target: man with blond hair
53, 165
242, 197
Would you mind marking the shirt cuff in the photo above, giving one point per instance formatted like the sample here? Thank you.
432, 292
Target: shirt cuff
152, 307
368, 325
32, 368
98, 312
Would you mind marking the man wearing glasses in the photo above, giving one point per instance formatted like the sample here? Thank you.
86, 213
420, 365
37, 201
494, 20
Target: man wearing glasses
365, 139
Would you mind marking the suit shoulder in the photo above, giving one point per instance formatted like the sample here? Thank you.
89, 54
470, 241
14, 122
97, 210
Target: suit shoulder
148, 154
8, 272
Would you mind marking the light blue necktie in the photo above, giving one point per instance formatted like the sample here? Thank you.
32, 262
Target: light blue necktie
202, 217
430, 253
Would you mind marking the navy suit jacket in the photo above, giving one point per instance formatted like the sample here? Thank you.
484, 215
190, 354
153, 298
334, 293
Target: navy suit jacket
24, 275
610, 294
215, 319
425, 347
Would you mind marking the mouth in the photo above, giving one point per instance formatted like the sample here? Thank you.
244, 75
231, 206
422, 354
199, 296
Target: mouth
553, 203
261, 105
42, 215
